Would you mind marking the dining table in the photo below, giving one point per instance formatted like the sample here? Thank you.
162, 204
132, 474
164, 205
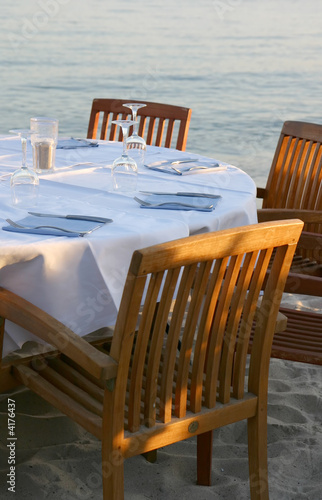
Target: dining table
79, 280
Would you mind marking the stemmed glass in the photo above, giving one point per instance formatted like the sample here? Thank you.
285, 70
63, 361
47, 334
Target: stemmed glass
135, 143
24, 182
124, 169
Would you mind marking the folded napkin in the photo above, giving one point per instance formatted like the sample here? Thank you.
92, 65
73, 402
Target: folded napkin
191, 166
75, 143
54, 226
175, 202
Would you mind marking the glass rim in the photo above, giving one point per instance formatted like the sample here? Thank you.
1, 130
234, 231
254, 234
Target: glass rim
44, 119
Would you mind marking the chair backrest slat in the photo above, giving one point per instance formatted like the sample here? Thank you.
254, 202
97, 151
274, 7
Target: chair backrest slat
172, 342
185, 361
258, 263
164, 116
156, 345
206, 347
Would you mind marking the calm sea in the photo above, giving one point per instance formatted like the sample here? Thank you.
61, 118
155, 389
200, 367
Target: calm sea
243, 66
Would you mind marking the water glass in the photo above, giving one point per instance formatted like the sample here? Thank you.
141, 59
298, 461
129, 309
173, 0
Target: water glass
124, 169
24, 183
44, 137
135, 144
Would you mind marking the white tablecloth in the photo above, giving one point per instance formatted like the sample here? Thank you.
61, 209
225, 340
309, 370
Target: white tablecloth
80, 280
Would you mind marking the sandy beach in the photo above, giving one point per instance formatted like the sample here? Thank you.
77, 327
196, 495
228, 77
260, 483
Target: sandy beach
57, 459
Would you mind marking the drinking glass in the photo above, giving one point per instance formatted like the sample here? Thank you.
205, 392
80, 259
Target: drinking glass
124, 169
44, 137
136, 144
24, 183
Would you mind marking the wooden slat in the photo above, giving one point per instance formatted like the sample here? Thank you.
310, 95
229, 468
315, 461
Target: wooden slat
220, 300
50, 330
234, 310
138, 363
186, 281
77, 378
151, 127
183, 369
91, 422
169, 135
159, 329
76, 393
160, 130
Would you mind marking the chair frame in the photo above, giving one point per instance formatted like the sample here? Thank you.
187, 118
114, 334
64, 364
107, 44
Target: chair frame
295, 177
182, 396
294, 189
154, 114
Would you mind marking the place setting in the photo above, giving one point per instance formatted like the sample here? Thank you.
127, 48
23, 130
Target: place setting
56, 225
178, 201
189, 165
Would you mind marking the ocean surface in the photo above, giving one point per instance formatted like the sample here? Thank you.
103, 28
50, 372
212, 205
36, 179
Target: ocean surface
243, 66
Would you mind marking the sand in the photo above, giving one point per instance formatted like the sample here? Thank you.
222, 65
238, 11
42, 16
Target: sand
57, 459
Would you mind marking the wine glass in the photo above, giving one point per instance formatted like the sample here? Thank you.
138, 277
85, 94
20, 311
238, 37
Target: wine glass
135, 143
124, 169
24, 183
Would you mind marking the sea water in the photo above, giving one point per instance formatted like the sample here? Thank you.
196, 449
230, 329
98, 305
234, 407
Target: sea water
243, 66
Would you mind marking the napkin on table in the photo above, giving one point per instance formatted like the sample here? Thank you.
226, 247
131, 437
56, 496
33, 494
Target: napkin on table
174, 202
75, 143
33, 223
190, 167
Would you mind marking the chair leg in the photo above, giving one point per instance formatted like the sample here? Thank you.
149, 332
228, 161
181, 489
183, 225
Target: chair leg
204, 458
113, 477
151, 456
257, 456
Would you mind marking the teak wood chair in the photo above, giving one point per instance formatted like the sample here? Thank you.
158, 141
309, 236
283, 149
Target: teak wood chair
145, 392
157, 122
294, 190
295, 183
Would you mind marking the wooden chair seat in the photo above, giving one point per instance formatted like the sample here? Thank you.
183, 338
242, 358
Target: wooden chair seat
299, 339
308, 256
159, 123
302, 339
141, 392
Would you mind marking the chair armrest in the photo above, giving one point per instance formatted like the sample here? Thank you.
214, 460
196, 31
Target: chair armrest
307, 216
312, 241
23, 313
303, 284
309, 240
261, 193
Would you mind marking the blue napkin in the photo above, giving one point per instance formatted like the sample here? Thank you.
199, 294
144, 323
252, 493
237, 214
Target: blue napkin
33, 223
75, 143
174, 202
184, 168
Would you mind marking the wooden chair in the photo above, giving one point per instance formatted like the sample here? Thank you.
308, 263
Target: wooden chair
145, 392
157, 121
294, 190
295, 183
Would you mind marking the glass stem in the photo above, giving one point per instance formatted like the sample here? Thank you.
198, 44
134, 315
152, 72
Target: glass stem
134, 118
24, 152
125, 132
